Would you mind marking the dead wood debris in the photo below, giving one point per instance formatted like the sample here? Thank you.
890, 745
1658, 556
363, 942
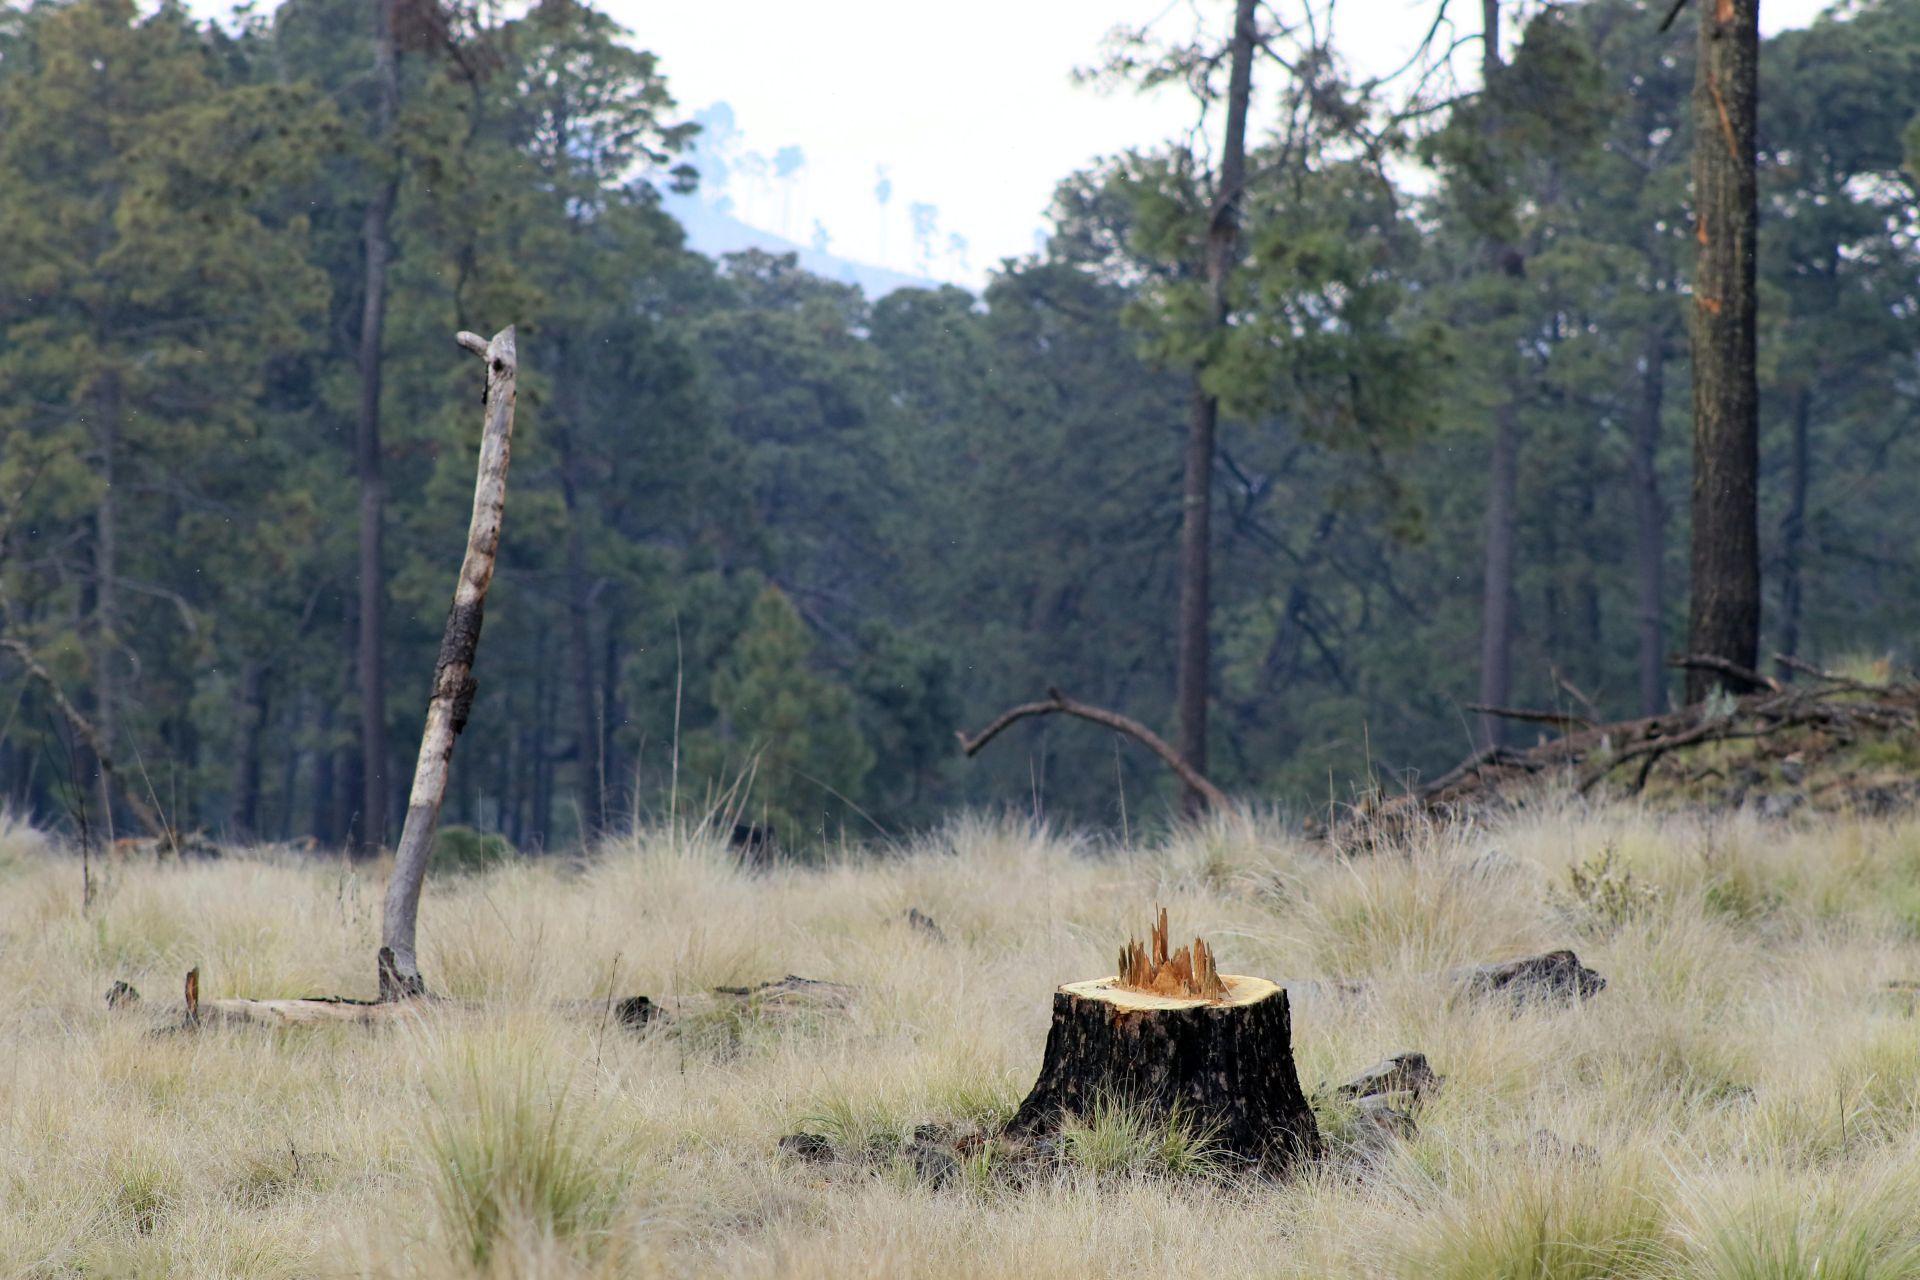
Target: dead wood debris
1835, 711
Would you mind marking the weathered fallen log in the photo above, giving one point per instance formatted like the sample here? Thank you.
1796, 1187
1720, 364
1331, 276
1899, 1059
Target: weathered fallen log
789, 993
1220, 1064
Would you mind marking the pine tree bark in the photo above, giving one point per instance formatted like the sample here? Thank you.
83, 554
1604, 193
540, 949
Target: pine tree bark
1503, 466
453, 683
1649, 524
1222, 1068
1793, 529
250, 715
1193, 680
1724, 610
106, 588
586, 706
1496, 604
376, 246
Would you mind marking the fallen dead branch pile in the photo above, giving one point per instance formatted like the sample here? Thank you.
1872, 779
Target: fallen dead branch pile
1799, 738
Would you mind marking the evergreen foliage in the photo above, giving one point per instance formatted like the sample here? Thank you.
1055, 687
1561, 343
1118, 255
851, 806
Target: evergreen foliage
765, 528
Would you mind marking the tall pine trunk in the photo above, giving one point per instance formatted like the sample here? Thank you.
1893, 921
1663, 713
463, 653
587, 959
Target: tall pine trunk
377, 246
250, 716
1793, 531
106, 598
1724, 611
1193, 679
586, 702
1650, 524
1496, 603
1503, 469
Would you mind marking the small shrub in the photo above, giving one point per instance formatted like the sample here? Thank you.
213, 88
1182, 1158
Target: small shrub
1604, 894
461, 850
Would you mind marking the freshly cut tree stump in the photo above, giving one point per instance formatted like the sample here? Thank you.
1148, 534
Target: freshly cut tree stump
1213, 1051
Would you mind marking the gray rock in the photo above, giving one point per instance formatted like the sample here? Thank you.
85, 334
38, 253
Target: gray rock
922, 923
1408, 1073
1557, 977
1383, 1121
935, 1163
809, 1148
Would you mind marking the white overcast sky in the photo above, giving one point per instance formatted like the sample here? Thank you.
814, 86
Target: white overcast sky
970, 107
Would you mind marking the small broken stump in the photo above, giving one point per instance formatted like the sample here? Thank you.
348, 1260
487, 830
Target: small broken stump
1177, 1040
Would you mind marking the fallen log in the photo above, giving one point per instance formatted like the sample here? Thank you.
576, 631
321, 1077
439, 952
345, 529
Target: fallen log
790, 993
1176, 1040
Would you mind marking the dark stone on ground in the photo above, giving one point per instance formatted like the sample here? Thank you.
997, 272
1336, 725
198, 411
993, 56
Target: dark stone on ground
1382, 1120
637, 1011
1556, 977
1408, 1073
809, 1148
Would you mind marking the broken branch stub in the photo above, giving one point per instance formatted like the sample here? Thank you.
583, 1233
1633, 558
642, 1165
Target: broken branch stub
453, 682
1058, 703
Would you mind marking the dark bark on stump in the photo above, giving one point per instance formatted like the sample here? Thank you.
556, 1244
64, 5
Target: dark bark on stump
1224, 1069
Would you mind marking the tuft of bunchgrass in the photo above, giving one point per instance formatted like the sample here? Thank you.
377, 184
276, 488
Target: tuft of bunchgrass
1777, 1227
512, 1158
1528, 1219
1122, 1140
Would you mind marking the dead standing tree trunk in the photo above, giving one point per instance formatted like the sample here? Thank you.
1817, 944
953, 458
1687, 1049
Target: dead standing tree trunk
453, 682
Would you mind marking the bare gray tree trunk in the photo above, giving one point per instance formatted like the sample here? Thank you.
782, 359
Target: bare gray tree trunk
373, 593
453, 683
1193, 677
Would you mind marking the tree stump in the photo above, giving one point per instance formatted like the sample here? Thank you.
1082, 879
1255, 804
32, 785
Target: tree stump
1212, 1051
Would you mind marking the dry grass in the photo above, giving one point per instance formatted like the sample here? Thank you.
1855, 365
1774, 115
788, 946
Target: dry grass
1749, 1092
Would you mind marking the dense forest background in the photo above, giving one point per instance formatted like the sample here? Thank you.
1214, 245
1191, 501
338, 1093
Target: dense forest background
770, 540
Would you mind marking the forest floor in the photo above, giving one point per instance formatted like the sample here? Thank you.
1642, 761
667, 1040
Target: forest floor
1743, 1099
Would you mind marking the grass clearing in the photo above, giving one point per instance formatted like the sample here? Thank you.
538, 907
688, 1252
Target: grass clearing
1743, 1099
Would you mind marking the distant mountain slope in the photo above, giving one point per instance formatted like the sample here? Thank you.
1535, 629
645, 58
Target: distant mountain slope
712, 232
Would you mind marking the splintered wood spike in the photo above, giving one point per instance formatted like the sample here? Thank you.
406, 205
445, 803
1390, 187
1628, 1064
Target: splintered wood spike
1189, 973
